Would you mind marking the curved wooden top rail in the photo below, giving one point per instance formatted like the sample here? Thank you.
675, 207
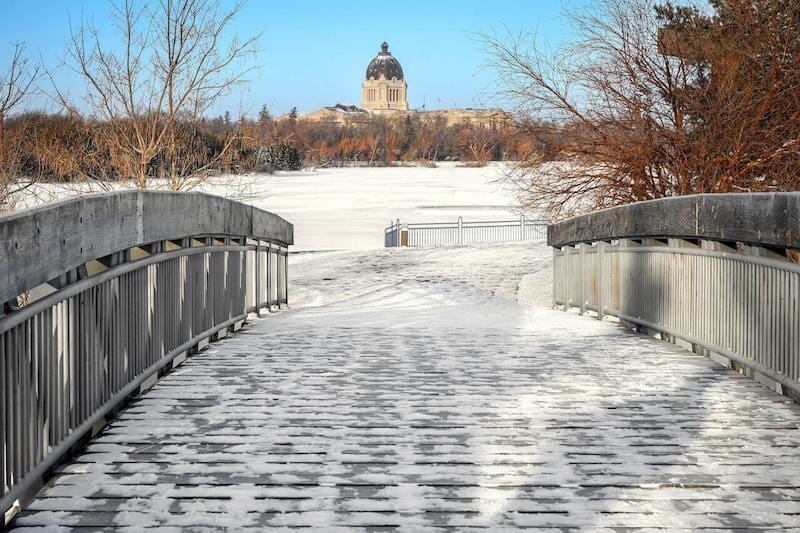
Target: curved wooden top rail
39, 244
761, 219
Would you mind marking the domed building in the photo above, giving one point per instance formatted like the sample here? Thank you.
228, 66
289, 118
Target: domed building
384, 88
384, 91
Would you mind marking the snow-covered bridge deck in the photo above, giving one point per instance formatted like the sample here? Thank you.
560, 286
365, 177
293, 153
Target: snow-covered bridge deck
420, 390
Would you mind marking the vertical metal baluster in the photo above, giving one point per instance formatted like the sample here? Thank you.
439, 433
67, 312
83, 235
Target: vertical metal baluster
286, 278
269, 277
18, 402
257, 267
4, 459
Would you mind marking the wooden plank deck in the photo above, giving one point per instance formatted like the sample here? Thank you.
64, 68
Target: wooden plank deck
433, 403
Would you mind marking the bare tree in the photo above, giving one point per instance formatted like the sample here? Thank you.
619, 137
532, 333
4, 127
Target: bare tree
16, 84
175, 61
478, 142
650, 100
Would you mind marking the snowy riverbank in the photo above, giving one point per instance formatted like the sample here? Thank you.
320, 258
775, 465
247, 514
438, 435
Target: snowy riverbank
348, 208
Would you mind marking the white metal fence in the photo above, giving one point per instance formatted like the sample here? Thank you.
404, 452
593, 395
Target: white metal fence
463, 233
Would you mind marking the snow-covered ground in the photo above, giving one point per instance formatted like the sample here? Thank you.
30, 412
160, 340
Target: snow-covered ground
426, 388
339, 216
348, 208
408, 389
519, 272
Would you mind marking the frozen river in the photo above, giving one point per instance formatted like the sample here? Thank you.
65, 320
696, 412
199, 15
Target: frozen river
347, 208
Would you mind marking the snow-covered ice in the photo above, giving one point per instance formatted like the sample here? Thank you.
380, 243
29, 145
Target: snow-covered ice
348, 208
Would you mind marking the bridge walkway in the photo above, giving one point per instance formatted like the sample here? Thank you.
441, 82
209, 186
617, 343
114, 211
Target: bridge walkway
411, 390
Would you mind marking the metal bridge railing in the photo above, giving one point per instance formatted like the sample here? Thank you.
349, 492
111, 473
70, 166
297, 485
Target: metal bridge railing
735, 299
108, 325
464, 233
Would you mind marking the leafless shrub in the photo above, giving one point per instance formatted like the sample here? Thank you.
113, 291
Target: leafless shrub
16, 84
172, 66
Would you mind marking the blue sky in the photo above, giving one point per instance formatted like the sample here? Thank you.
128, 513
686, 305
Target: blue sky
314, 53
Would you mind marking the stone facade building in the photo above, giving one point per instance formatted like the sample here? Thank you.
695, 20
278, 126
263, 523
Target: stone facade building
384, 88
384, 91
337, 114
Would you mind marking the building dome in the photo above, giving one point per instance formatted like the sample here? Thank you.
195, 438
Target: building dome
384, 90
384, 65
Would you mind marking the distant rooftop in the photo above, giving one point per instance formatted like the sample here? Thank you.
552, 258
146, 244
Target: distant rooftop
346, 108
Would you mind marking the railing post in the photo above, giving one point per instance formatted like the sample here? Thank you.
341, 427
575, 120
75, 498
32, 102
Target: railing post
601, 254
581, 282
277, 258
397, 234
460, 230
556, 276
276, 295
286, 278
522, 227
268, 277
257, 273
281, 277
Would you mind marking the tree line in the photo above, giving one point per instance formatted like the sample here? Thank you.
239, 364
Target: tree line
648, 99
382, 140
73, 148
147, 93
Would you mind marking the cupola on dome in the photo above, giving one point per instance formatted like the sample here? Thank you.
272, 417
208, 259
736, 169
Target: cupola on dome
384, 65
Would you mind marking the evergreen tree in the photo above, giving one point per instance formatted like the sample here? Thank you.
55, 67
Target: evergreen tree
278, 156
293, 116
263, 116
409, 134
